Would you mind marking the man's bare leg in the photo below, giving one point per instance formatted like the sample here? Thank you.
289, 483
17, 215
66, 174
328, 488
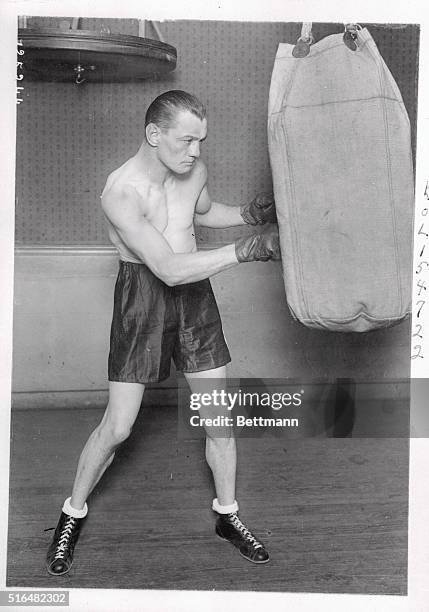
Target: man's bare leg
115, 426
221, 455
121, 412
221, 450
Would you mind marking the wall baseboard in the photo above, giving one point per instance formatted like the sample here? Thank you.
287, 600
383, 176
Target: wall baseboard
89, 249
64, 400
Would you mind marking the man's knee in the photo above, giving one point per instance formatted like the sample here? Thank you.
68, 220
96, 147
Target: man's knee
115, 432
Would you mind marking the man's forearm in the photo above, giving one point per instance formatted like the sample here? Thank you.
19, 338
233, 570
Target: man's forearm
181, 268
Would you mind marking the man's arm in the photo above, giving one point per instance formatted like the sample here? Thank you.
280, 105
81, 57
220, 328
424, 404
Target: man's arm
142, 238
216, 215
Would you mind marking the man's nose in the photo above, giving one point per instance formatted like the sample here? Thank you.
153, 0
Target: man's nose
195, 149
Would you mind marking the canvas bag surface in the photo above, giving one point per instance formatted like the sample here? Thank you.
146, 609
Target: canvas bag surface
340, 154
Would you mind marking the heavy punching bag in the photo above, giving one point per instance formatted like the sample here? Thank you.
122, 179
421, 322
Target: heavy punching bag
340, 153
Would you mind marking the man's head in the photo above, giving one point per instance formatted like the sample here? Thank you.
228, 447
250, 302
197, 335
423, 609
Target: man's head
164, 109
175, 126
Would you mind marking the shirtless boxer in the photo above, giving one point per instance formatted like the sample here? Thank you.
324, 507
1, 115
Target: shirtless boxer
164, 306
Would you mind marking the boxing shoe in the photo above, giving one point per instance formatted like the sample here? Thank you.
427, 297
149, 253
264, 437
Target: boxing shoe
60, 553
259, 247
229, 527
260, 210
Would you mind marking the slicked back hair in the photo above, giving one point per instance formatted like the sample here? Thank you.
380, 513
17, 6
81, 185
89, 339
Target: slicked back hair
163, 110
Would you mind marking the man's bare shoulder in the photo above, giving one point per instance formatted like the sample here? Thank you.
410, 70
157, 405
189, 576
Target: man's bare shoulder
121, 182
123, 185
124, 193
196, 180
122, 204
200, 171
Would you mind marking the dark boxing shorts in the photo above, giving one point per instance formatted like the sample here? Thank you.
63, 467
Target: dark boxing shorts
153, 323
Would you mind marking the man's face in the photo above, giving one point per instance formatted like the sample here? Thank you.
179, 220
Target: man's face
179, 145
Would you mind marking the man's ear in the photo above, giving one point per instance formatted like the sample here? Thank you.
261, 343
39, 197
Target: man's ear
153, 133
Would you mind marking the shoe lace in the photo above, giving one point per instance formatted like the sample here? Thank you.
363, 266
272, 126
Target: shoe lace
249, 537
65, 537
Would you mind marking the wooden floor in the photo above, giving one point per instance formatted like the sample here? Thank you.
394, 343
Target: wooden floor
332, 512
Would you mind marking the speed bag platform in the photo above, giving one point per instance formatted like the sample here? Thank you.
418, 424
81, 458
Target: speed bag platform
340, 153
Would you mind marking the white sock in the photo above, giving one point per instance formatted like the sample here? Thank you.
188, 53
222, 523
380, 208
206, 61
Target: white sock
68, 509
216, 506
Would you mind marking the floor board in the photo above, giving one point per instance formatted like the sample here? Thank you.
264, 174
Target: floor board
332, 512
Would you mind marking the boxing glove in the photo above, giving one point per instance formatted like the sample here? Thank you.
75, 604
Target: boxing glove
259, 247
260, 210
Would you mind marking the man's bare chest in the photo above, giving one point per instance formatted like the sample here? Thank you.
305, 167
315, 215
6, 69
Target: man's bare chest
168, 207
